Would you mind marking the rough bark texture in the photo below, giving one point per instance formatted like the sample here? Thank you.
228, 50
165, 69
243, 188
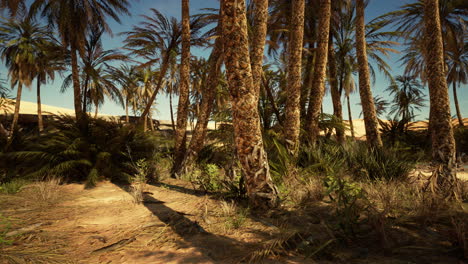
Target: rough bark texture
334, 90
350, 117
76, 84
367, 101
14, 124
320, 72
199, 134
292, 125
443, 144
457, 106
182, 108
246, 121
258, 41
40, 123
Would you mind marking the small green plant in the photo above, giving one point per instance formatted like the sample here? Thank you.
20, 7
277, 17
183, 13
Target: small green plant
345, 196
207, 178
139, 180
5, 226
237, 220
13, 186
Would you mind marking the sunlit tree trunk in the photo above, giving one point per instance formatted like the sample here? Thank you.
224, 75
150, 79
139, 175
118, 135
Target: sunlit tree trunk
246, 121
367, 101
457, 106
182, 109
350, 117
334, 90
40, 124
172, 111
14, 124
258, 41
199, 133
127, 118
443, 143
320, 72
292, 124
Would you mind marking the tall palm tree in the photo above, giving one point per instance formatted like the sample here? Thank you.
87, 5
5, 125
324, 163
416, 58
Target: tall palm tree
320, 69
249, 143
292, 124
458, 71
443, 143
127, 77
184, 89
21, 43
259, 33
367, 101
156, 39
73, 19
407, 97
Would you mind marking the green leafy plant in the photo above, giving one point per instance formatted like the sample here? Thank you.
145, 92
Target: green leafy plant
13, 186
5, 226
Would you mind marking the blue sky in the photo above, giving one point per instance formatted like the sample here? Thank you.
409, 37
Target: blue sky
51, 95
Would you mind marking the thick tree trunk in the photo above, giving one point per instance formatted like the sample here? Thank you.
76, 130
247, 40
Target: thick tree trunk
320, 72
258, 41
182, 109
199, 133
246, 121
457, 106
367, 101
444, 181
76, 83
127, 119
292, 124
351, 126
14, 124
334, 90
40, 124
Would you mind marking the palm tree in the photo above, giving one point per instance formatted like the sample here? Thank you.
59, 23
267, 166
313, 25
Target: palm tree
320, 69
127, 77
458, 72
13, 6
407, 97
249, 143
156, 40
292, 124
5, 104
73, 19
21, 43
182, 109
443, 142
259, 32
367, 101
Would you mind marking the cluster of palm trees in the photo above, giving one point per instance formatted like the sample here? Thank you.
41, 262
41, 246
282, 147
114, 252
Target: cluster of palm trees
313, 46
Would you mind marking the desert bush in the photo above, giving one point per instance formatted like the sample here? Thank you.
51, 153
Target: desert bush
138, 184
13, 186
84, 151
46, 191
378, 163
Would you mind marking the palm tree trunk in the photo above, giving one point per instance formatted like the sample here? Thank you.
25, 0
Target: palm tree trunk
85, 94
246, 121
367, 101
443, 142
127, 119
320, 72
258, 41
351, 126
292, 124
182, 109
150, 120
76, 83
172, 112
334, 90
308, 80
40, 124
201, 128
271, 98
14, 124
457, 106
96, 110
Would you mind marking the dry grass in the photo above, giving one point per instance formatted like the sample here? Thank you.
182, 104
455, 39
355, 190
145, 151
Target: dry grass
136, 191
46, 192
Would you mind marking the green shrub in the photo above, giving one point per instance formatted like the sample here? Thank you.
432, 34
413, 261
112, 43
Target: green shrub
5, 226
86, 151
13, 186
379, 163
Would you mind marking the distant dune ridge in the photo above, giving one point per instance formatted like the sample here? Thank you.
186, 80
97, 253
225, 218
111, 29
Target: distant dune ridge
31, 109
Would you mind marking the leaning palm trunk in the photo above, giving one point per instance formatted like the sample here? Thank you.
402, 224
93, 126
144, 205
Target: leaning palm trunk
457, 106
443, 181
351, 126
292, 125
40, 123
182, 109
320, 72
258, 42
14, 124
76, 84
367, 101
199, 134
127, 118
334, 90
246, 121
